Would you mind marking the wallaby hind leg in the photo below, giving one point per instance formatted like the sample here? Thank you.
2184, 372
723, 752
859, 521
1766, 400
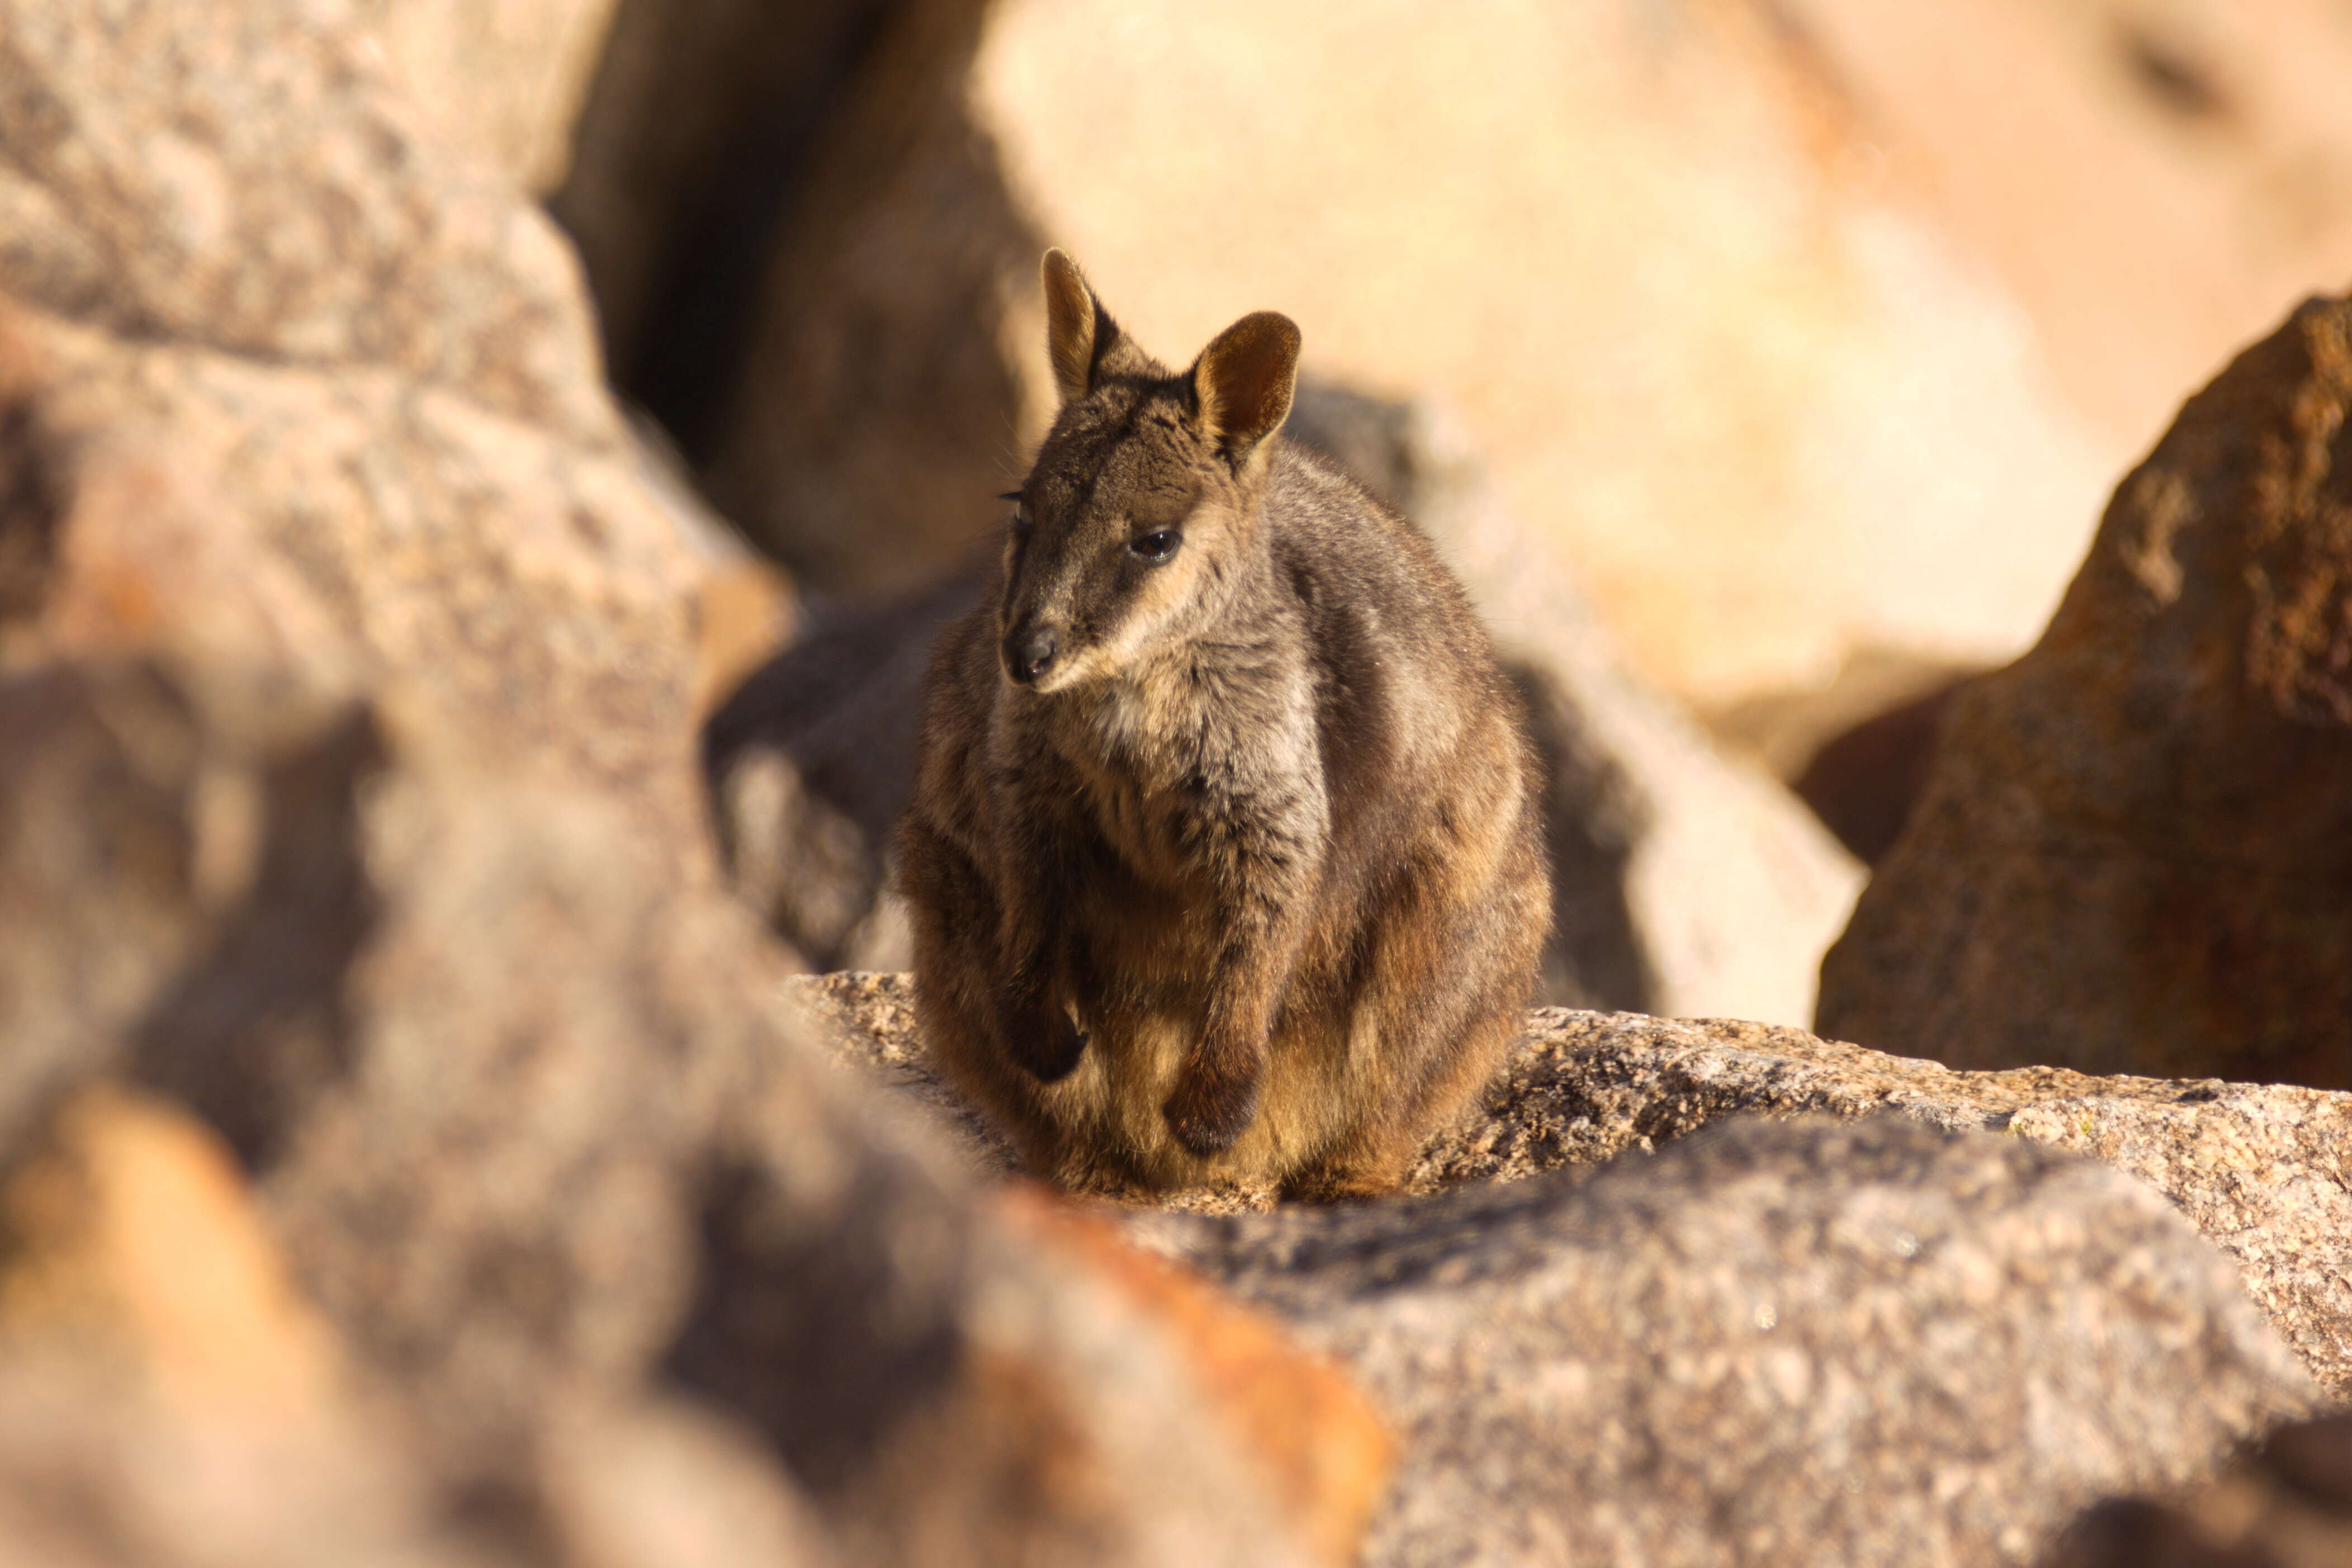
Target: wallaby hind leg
1352, 1174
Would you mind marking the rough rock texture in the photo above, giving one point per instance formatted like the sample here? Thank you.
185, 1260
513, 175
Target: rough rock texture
2133, 854
1799, 427
2264, 1172
2288, 1504
1793, 1342
349, 807
1683, 882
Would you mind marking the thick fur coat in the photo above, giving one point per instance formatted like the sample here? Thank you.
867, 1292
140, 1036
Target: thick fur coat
1225, 855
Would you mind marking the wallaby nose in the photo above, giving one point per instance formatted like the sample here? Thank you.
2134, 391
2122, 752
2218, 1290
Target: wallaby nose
1029, 652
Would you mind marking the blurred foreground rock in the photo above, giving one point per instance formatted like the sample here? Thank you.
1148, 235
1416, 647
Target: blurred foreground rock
1777, 1344
2133, 852
505, 77
406, 1152
1683, 883
2265, 1173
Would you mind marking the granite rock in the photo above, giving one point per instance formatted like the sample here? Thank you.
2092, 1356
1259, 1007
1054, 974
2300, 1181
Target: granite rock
1787, 1342
506, 80
2263, 1171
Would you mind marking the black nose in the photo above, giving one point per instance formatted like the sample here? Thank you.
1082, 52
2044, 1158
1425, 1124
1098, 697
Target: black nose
1029, 654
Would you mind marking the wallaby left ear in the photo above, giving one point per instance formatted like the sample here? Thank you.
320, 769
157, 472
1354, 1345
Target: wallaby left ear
1243, 381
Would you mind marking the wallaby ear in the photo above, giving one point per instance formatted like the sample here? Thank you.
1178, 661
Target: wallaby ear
1243, 381
1079, 334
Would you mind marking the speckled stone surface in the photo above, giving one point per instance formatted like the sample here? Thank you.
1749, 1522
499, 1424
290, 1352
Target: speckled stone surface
1777, 1343
2264, 1172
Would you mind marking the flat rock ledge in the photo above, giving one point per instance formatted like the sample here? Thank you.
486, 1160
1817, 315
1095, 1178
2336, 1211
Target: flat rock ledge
2263, 1171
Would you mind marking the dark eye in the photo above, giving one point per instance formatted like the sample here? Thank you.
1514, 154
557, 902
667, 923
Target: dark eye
1020, 514
1156, 545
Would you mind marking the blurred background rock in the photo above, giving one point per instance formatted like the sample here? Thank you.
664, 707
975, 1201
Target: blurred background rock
1805, 336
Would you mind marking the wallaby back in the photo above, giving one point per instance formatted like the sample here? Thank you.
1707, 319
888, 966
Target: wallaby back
1223, 855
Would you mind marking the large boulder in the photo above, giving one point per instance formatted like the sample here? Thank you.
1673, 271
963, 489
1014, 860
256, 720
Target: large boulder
1799, 426
2257, 1169
2134, 850
1683, 882
351, 836
1783, 1343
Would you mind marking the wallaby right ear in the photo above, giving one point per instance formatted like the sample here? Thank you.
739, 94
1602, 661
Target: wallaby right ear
1242, 382
1079, 335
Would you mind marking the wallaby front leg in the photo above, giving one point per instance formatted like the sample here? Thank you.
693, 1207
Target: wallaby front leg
1034, 1027
1032, 1017
1223, 1075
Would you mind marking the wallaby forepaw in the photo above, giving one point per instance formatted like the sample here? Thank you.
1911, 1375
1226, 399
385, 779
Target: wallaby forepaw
1207, 1115
1043, 1042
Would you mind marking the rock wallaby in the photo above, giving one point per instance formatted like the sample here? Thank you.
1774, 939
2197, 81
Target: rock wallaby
1223, 854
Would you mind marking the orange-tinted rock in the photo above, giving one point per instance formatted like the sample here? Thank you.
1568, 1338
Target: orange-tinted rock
2133, 853
1325, 1452
130, 1234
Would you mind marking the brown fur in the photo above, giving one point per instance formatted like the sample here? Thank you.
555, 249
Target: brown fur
1226, 866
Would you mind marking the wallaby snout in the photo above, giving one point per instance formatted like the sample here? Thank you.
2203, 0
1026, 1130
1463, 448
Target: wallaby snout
1029, 651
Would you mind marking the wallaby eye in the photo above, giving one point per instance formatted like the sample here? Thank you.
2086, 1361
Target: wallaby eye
1156, 545
1020, 513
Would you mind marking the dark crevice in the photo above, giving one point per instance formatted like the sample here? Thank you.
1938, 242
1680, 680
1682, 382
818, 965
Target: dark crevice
683, 350
2171, 76
36, 494
1594, 817
1863, 782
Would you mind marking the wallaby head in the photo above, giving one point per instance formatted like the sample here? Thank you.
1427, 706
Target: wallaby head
1142, 513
